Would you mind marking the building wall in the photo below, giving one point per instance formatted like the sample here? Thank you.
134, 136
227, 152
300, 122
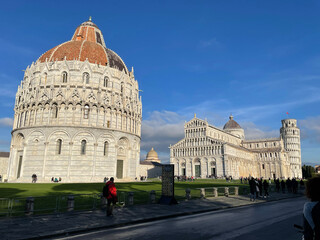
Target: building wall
230, 155
4, 167
150, 171
49, 109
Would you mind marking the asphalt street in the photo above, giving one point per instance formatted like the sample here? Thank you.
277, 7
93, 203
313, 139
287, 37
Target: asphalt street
271, 220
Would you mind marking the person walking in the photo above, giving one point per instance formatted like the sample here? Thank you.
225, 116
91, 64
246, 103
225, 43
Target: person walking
260, 186
283, 186
311, 210
252, 185
111, 196
266, 188
277, 185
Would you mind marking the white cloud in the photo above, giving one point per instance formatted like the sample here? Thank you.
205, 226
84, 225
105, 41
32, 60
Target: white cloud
310, 129
159, 131
6, 122
253, 131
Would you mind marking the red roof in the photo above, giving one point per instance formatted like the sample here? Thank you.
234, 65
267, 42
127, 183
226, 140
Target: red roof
87, 43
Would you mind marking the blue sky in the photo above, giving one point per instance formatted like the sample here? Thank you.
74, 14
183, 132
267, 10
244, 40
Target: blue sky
254, 59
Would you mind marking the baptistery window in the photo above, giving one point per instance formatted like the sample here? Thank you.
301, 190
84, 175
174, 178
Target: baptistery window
83, 147
105, 149
105, 82
64, 77
86, 112
122, 88
59, 146
86, 77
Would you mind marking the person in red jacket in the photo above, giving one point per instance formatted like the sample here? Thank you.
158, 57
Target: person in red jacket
111, 196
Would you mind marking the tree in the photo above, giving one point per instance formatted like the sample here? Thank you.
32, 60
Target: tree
307, 171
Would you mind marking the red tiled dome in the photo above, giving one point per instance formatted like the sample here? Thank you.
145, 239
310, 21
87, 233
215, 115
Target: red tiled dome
87, 43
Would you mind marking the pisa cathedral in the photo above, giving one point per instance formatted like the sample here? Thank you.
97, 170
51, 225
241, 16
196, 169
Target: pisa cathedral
77, 114
207, 151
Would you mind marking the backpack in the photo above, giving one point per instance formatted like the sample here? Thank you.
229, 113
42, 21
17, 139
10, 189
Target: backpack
105, 190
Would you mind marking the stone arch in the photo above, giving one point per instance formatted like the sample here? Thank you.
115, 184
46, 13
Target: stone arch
18, 141
85, 135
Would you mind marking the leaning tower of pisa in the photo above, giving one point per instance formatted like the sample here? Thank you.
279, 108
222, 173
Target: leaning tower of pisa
290, 134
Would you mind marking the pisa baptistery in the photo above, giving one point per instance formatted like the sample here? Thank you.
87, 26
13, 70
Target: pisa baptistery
77, 114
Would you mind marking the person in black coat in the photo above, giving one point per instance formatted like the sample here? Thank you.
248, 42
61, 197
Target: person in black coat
289, 185
277, 185
266, 188
260, 186
252, 185
283, 186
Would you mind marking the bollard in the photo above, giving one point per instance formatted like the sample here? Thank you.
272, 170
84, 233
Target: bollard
152, 196
29, 205
70, 203
202, 192
226, 191
215, 192
236, 191
188, 194
130, 198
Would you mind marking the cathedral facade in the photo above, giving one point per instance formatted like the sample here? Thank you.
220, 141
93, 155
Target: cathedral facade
77, 114
207, 151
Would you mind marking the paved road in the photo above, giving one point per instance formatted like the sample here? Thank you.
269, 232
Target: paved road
265, 221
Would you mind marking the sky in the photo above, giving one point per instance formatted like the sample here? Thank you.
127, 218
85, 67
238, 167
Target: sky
255, 59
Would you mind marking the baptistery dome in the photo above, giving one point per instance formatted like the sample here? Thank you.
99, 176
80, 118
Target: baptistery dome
87, 43
77, 114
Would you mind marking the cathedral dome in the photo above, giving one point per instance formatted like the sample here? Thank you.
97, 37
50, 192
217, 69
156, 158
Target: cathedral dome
231, 124
152, 156
87, 43
233, 128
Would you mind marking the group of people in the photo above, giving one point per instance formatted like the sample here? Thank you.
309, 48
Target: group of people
256, 187
53, 179
184, 178
291, 185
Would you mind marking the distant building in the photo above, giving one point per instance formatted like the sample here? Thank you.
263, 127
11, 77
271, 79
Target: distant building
317, 168
4, 159
209, 151
151, 167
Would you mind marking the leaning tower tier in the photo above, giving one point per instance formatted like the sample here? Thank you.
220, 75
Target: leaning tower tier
291, 139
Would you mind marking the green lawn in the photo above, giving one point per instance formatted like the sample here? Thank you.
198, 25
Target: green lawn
51, 197
14, 190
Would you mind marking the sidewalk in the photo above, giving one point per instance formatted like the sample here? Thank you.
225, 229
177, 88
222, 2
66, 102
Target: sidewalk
49, 226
